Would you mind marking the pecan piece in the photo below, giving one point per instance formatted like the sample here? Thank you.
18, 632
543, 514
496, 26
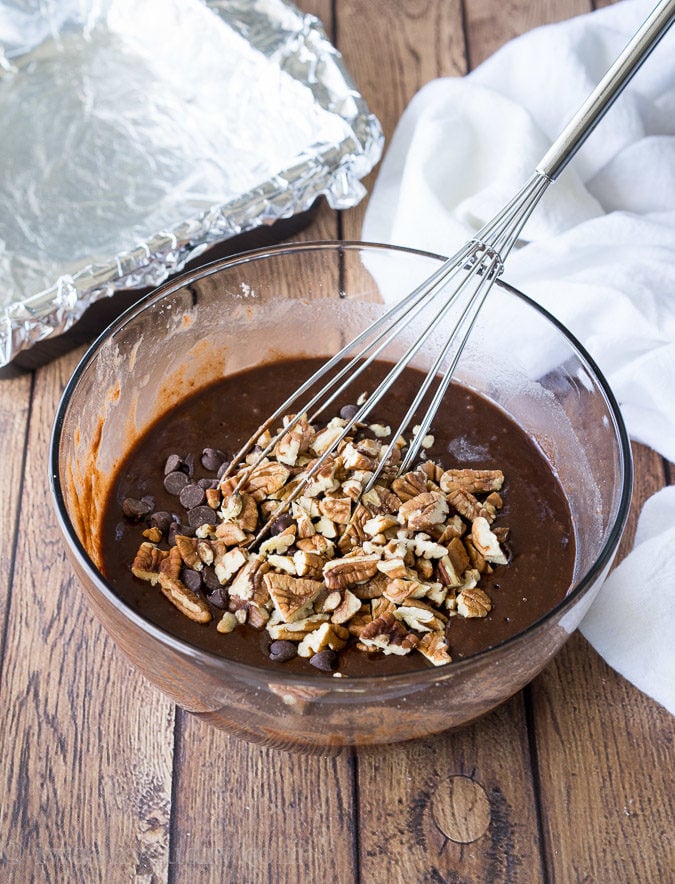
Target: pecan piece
424, 511
187, 601
409, 485
328, 635
291, 595
434, 647
485, 541
147, 562
473, 603
475, 481
349, 605
387, 634
294, 442
341, 573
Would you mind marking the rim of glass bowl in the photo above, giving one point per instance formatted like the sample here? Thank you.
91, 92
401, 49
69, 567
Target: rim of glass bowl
249, 671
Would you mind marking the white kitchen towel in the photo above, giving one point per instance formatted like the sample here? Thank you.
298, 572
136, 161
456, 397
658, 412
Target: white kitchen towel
599, 252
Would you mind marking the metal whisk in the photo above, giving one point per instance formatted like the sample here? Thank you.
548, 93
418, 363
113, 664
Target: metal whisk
473, 269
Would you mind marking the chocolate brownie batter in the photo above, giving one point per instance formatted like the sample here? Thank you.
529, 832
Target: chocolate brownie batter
468, 432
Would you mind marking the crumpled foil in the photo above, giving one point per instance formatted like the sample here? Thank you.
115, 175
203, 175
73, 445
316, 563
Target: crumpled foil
136, 135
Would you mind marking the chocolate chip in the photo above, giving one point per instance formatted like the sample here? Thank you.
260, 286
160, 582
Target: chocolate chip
216, 598
161, 520
211, 582
174, 463
189, 461
281, 650
136, 509
191, 496
179, 528
208, 483
279, 525
347, 412
325, 660
192, 579
222, 469
212, 459
201, 515
175, 482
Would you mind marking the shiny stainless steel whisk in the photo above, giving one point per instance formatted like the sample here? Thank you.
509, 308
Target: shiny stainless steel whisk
473, 268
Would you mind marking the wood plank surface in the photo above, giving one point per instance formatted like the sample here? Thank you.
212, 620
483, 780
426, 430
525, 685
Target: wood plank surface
103, 779
87, 744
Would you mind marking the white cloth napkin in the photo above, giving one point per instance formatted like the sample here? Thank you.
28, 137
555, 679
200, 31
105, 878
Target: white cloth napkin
599, 251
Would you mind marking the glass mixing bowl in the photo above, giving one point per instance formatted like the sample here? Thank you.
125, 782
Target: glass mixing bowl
307, 300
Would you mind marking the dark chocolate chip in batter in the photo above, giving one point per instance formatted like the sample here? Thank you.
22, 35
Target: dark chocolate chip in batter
201, 515
161, 520
281, 650
178, 528
174, 462
212, 459
192, 579
326, 660
347, 412
215, 597
222, 469
207, 483
175, 482
136, 509
211, 582
191, 495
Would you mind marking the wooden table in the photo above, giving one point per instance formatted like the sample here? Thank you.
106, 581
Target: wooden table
103, 779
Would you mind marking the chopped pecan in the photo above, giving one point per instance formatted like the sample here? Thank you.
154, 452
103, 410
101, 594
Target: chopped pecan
147, 562
296, 630
243, 584
291, 595
328, 635
388, 635
486, 542
309, 564
348, 606
187, 601
293, 443
187, 547
227, 564
423, 511
324, 439
380, 501
475, 481
434, 647
473, 603
242, 510
420, 616
464, 503
337, 509
400, 589
371, 589
231, 534
410, 485
354, 534
344, 572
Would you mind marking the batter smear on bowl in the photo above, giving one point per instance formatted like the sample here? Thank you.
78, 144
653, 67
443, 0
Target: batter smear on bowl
469, 547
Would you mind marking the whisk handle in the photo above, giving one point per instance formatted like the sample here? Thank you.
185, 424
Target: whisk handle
608, 89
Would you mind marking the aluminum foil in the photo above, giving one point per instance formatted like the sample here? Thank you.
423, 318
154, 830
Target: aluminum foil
135, 135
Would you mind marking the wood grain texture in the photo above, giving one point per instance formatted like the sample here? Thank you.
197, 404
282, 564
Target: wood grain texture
87, 745
245, 813
605, 754
459, 807
392, 48
489, 25
15, 401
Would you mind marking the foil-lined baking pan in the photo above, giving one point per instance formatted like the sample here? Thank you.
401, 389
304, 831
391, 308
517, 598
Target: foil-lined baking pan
137, 135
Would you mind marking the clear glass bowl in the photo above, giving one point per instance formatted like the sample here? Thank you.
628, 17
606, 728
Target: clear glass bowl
308, 299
